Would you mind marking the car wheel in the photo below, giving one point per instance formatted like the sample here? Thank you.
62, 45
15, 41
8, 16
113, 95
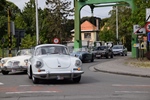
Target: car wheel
77, 79
35, 80
111, 55
30, 75
25, 71
5, 72
106, 56
92, 60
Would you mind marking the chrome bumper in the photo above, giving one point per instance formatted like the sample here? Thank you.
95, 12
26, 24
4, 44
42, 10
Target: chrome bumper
57, 75
14, 68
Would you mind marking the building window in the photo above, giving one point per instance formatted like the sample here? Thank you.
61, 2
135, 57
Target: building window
87, 35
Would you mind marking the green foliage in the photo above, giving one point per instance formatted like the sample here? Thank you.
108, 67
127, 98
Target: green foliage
58, 12
28, 41
2, 5
107, 35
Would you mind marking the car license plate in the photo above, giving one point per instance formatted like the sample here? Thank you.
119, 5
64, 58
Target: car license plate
60, 77
98, 55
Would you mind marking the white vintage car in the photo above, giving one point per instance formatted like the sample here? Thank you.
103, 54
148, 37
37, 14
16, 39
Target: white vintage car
52, 61
16, 63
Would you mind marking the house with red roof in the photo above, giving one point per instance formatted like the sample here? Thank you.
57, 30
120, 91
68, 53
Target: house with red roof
89, 32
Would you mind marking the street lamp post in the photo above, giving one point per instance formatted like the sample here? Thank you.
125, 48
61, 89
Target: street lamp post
37, 26
117, 24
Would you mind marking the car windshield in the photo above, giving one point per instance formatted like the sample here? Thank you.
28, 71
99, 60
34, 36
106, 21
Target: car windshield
24, 52
51, 50
102, 47
117, 47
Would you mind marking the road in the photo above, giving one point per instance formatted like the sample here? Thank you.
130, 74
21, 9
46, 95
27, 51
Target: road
94, 85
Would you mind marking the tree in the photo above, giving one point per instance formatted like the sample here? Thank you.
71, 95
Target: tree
59, 10
2, 5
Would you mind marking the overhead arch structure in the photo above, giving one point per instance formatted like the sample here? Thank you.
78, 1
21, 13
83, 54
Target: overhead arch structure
79, 4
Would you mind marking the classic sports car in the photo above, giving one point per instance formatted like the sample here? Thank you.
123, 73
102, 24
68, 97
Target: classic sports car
84, 56
52, 61
16, 63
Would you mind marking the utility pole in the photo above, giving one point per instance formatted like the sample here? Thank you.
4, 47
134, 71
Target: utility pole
117, 24
9, 33
37, 25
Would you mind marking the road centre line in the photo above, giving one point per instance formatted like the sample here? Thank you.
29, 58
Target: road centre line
31, 92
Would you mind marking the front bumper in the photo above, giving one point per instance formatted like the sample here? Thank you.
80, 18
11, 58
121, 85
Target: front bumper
102, 54
14, 68
59, 75
117, 53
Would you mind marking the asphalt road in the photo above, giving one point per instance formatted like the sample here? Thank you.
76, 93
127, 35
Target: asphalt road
94, 85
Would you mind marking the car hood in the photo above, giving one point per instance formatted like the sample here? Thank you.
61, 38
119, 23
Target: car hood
57, 61
18, 58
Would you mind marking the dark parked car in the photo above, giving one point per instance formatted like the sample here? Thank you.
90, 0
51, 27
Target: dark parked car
103, 51
119, 50
84, 56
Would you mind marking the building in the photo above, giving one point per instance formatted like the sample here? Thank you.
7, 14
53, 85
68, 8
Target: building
89, 33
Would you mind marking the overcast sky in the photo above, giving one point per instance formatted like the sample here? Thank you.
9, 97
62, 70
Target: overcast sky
101, 12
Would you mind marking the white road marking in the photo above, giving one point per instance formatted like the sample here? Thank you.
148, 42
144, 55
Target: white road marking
31, 92
132, 92
1, 83
121, 85
34, 85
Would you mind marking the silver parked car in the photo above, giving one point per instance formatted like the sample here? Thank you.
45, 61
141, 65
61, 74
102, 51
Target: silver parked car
119, 50
52, 61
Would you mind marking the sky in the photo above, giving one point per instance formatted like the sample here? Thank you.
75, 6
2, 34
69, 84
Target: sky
101, 12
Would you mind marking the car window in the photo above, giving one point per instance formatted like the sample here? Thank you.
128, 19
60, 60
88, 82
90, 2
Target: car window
51, 50
24, 52
102, 47
117, 47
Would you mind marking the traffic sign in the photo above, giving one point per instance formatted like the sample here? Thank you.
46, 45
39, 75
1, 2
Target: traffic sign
147, 14
138, 30
148, 37
147, 26
56, 40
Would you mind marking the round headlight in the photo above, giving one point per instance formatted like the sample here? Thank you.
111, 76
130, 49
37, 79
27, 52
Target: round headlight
2, 61
26, 60
78, 63
38, 64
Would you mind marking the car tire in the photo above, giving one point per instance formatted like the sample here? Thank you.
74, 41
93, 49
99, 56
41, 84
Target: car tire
77, 79
35, 80
92, 60
30, 75
112, 56
5, 72
107, 56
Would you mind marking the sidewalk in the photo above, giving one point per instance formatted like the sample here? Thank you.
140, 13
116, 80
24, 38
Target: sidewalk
119, 66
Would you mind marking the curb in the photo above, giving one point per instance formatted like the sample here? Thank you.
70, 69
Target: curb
122, 73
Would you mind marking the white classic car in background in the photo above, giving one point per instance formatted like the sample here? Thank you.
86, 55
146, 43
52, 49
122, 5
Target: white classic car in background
52, 61
16, 63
